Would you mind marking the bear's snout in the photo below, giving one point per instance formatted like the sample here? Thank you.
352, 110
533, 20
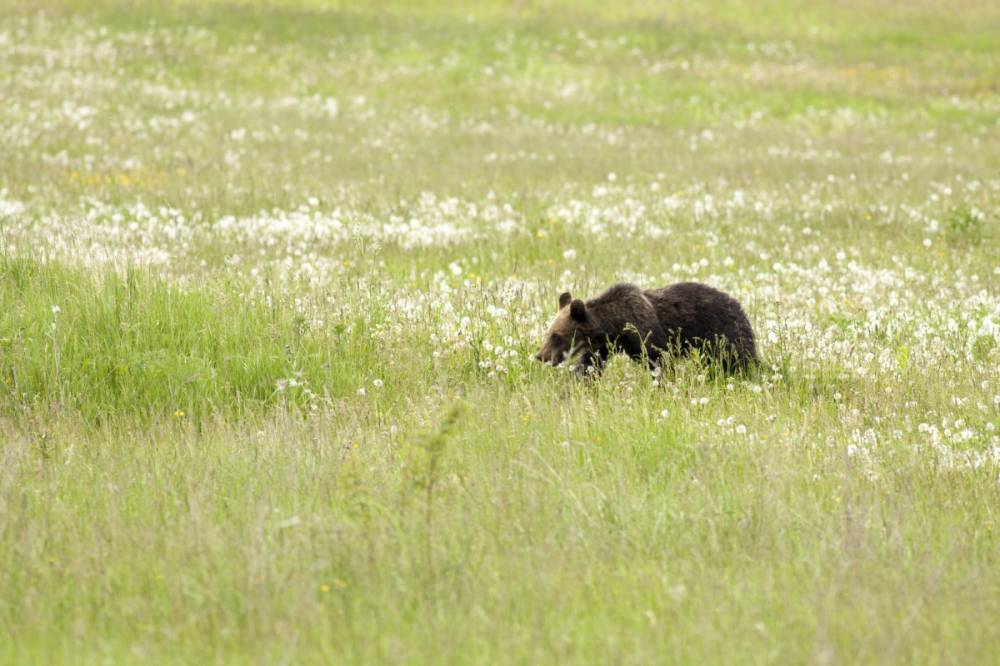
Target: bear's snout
547, 357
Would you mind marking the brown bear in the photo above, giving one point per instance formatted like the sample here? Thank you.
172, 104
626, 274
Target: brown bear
648, 323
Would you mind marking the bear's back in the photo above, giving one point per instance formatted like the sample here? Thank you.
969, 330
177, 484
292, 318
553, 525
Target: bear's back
692, 311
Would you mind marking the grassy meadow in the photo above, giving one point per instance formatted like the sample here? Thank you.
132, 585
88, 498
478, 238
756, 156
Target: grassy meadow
272, 275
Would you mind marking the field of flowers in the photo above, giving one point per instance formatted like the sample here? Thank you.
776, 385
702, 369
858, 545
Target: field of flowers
272, 275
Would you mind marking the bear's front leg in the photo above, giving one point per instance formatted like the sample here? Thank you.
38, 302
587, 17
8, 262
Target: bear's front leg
646, 347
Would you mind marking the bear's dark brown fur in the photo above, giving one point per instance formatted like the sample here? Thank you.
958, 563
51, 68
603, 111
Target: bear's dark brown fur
646, 324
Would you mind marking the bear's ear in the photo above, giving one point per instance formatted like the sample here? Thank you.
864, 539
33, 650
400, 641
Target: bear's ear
564, 298
578, 310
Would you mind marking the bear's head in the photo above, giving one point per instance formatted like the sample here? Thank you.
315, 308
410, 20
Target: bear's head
570, 334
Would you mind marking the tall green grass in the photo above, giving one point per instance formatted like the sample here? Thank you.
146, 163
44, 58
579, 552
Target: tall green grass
110, 343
